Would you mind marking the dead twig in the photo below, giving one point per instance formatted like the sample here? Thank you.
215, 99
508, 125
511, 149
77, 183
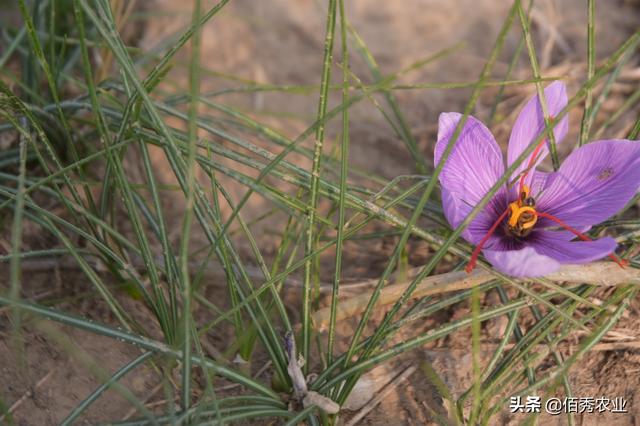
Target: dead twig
604, 274
301, 392
453, 353
617, 346
599, 347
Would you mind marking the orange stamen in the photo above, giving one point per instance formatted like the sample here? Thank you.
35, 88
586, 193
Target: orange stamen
621, 262
478, 249
516, 208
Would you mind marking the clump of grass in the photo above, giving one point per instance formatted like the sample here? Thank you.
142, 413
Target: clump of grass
80, 129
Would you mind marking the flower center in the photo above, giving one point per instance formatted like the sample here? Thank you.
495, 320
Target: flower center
522, 214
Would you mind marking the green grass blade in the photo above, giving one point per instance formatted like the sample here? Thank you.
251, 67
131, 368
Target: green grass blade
315, 177
533, 58
587, 116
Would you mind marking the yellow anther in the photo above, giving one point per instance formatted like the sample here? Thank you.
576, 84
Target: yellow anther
513, 213
522, 214
527, 217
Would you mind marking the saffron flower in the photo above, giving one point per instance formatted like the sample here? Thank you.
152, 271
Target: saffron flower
536, 221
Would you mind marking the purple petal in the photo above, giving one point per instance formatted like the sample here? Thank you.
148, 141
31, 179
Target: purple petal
525, 262
455, 211
556, 246
593, 183
473, 167
530, 124
538, 182
475, 163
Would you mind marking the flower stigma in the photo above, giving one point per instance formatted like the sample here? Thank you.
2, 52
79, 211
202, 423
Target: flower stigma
522, 217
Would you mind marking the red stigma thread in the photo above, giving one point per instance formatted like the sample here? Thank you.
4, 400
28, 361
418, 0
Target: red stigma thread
532, 160
621, 262
476, 252
478, 249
